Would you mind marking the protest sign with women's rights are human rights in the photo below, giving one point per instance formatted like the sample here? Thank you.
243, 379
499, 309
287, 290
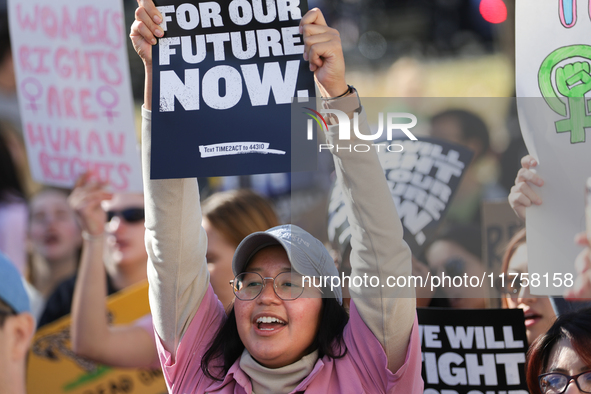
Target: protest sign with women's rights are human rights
74, 91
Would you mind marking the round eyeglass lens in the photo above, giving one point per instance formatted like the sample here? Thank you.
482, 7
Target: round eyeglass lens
287, 285
584, 382
556, 383
248, 285
553, 383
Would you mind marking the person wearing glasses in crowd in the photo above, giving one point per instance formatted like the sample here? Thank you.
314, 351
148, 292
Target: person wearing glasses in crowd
280, 336
17, 327
560, 360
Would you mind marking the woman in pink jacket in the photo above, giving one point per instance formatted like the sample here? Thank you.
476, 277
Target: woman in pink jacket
280, 337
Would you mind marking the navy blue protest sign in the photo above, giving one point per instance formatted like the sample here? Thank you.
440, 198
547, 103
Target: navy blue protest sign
423, 177
478, 351
224, 76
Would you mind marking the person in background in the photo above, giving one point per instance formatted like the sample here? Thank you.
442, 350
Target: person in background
228, 217
17, 327
113, 223
55, 240
124, 259
13, 209
559, 361
538, 311
457, 252
468, 129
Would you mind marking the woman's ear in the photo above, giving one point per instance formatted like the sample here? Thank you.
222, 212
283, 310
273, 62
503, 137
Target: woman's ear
19, 329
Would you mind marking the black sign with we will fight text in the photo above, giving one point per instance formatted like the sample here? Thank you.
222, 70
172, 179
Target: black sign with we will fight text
479, 351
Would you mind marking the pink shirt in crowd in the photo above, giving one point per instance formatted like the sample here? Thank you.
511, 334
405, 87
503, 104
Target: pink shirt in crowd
362, 370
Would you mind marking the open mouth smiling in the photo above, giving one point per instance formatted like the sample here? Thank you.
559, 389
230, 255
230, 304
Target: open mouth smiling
269, 323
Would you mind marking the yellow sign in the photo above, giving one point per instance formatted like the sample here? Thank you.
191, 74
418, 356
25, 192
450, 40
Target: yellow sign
53, 368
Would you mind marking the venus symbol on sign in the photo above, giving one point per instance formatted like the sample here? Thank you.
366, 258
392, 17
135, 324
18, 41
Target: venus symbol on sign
32, 90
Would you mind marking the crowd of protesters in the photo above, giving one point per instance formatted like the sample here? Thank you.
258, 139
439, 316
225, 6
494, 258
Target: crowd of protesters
63, 252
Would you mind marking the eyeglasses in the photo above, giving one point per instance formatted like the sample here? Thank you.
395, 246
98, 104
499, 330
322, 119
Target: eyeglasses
556, 383
287, 285
130, 215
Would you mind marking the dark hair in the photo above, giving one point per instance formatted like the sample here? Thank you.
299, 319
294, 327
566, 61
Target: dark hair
471, 125
574, 326
228, 347
10, 185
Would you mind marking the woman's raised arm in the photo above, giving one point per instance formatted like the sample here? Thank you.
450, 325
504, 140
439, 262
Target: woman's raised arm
377, 245
92, 336
175, 241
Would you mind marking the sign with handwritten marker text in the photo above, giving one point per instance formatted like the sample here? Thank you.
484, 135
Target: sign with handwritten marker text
225, 73
553, 81
423, 177
74, 91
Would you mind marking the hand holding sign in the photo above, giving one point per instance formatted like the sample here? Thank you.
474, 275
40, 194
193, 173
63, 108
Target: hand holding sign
573, 80
220, 68
145, 29
522, 195
322, 45
324, 52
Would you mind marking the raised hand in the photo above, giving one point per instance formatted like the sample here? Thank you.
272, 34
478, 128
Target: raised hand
522, 195
324, 52
86, 200
145, 29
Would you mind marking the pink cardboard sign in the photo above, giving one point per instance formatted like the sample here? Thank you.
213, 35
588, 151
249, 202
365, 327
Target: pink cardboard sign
74, 91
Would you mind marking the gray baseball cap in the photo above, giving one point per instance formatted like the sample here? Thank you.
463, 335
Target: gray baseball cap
12, 291
307, 255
